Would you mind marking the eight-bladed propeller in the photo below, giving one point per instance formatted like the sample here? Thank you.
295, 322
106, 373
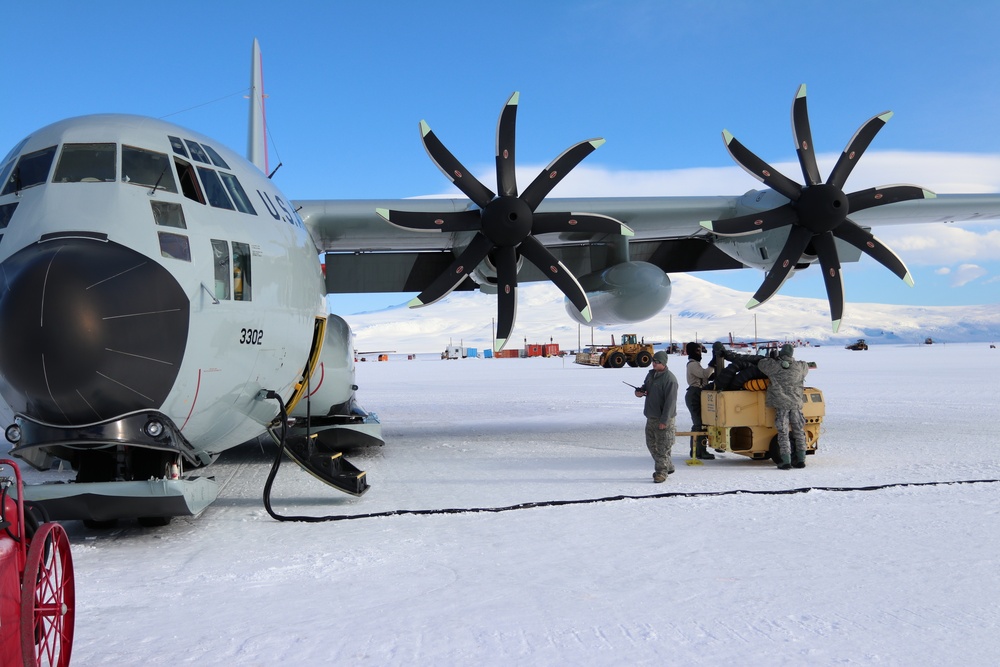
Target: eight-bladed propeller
817, 212
505, 225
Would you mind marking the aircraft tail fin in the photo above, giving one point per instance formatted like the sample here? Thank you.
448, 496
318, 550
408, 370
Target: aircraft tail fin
256, 136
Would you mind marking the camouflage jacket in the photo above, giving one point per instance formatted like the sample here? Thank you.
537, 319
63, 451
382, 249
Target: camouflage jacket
661, 396
785, 389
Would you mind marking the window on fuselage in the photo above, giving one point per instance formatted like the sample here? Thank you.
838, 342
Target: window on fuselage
196, 151
216, 158
4, 173
189, 181
238, 194
86, 163
241, 271
31, 169
232, 272
175, 246
223, 274
6, 213
177, 145
147, 168
15, 150
214, 190
168, 214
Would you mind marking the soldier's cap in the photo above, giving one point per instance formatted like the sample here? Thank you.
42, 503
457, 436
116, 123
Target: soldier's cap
660, 357
787, 351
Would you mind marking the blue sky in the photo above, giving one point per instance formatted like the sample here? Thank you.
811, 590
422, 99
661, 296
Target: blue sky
348, 82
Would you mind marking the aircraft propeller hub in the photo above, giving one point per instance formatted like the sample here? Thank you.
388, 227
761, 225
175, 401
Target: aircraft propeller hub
507, 221
822, 208
506, 226
817, 211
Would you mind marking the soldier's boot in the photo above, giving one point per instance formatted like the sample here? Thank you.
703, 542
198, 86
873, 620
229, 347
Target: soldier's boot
799, 459
785, 463
701, 446
703, 452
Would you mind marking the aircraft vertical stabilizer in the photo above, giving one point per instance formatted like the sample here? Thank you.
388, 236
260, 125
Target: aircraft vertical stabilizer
256, 139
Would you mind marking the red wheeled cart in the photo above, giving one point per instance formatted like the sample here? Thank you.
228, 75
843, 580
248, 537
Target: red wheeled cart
37, 597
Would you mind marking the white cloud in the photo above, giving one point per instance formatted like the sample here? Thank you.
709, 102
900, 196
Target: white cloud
943, 271
966, 273
942, 244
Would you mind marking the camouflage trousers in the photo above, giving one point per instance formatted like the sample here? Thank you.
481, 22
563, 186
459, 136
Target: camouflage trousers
791, 422
660, 443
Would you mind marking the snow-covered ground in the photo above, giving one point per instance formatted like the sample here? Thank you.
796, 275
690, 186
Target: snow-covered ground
904, 575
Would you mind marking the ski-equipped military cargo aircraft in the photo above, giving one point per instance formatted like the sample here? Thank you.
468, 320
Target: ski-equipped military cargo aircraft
162, 301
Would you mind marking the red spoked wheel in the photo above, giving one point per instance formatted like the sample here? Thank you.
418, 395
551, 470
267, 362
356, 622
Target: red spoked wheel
48, 599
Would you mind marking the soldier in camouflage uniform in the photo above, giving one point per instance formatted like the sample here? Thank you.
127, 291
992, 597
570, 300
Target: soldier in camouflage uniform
660, 409
784, 394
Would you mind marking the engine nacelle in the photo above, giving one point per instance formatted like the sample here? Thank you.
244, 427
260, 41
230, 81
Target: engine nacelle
334, 415
332, 385
760, 250
624, 294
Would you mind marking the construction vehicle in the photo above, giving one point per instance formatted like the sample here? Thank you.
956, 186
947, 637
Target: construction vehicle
860, 345
740, 422
630, 351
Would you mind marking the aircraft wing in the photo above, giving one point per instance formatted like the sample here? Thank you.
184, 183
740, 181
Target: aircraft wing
375, 256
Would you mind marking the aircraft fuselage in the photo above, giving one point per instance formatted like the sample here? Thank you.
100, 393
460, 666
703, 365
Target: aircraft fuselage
148, 274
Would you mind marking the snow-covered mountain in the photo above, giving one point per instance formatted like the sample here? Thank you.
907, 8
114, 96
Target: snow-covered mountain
698, 309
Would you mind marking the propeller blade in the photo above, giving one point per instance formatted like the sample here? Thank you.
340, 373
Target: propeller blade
864, 241
587, 223
753, 223
506, 181
459, 270
557, 169
557, 272
862, 199
803, 138
462, 221
505, 260
856, 148
759, 169
826, 250
797, 241
453, 169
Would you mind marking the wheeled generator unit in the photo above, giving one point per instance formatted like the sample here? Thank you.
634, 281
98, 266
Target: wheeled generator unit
740, 422
37, 593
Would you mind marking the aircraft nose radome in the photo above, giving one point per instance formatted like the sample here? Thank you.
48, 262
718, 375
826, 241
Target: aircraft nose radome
89, 330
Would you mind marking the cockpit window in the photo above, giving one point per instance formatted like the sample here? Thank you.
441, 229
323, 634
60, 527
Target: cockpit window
31, 169
196, 152
148, 168
5, 172
216, 158
15, 150
216, 194
238, 194
177, 145
86, 163
189, 182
